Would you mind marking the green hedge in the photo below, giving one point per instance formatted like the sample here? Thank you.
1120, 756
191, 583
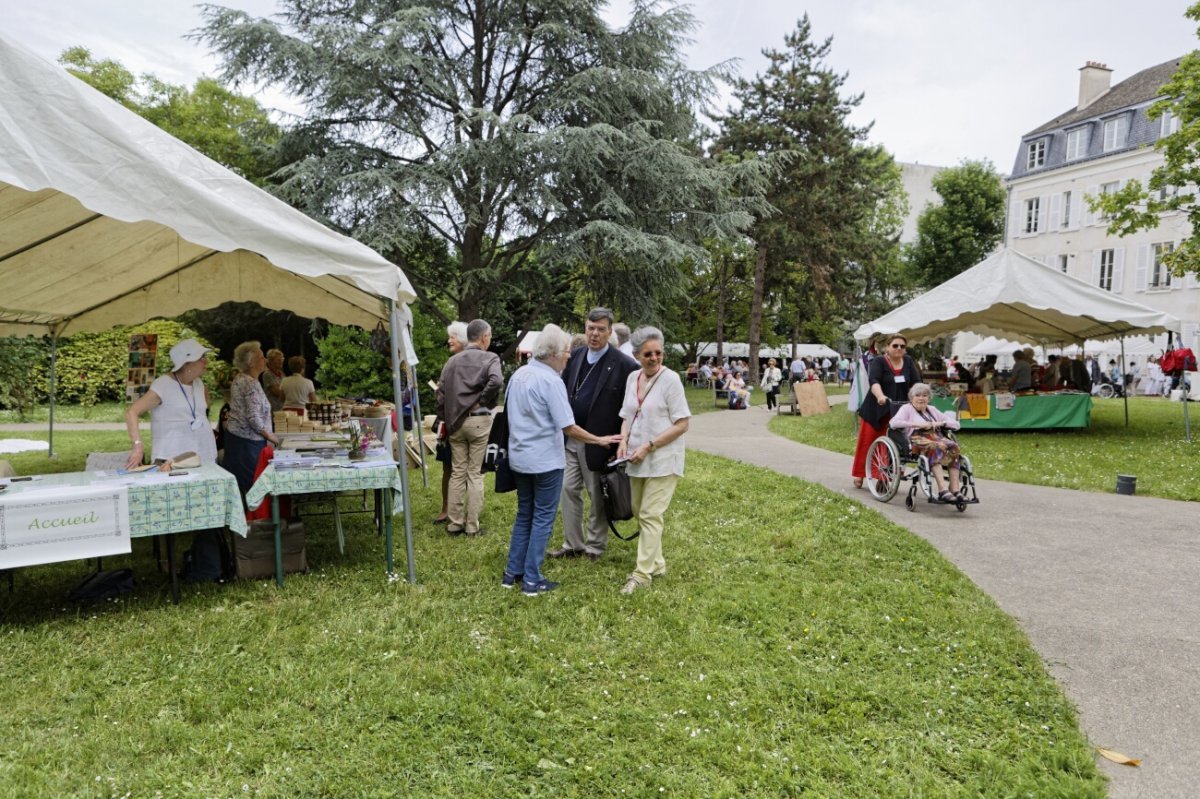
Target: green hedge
91, 367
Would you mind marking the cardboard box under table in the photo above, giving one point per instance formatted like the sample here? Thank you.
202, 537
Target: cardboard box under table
202, 499
333, 476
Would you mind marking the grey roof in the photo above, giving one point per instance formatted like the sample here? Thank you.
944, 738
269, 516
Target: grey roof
1134, 90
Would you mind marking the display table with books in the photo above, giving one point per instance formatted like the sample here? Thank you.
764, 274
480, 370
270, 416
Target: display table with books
292, 475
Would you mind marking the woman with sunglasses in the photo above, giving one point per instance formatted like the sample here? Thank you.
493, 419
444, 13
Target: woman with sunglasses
655, 414
889, 377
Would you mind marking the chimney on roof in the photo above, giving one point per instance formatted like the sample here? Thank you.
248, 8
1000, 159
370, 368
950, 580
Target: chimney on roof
1094, 81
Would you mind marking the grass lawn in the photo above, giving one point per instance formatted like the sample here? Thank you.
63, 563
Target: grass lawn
1152, 448
101, 412
822, 653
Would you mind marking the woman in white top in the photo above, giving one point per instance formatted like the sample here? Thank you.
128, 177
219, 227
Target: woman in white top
771, 378
178, 406
655, 414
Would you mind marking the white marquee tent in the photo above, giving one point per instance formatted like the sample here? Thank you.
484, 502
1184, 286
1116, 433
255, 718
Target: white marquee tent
1010, 295
107, 220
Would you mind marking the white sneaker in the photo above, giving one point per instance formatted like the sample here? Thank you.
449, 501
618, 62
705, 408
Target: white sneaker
630, 586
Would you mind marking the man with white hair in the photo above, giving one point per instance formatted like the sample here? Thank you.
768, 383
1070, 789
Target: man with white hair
468, 390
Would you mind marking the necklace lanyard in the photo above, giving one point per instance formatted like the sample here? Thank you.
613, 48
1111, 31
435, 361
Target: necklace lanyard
641, 398
191, 403
579, 383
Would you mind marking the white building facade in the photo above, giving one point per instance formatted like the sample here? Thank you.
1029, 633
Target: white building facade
1096, 148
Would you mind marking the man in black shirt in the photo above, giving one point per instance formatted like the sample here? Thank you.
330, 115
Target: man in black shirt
595, 378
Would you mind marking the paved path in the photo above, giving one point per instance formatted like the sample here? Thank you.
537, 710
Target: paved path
1103, 585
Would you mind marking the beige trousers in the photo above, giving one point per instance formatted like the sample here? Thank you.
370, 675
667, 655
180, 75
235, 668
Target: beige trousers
651, 497
465, 498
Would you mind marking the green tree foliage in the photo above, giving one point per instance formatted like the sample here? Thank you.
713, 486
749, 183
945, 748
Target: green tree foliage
537, 144
229, 128
22, 363
92, 367
717, 308
967, 225
349, 367
828, 191
1172, 187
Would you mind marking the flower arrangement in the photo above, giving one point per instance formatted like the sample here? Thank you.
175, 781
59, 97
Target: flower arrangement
360, 440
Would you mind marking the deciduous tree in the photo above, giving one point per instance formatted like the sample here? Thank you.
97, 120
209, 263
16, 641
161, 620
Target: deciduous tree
967, 225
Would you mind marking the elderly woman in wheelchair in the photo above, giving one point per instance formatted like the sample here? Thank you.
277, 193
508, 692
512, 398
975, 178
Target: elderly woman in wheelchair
920, 434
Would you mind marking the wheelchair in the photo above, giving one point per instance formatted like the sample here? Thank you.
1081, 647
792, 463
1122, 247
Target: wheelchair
890, 463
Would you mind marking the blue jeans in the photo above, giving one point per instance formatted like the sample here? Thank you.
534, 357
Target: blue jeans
537, 505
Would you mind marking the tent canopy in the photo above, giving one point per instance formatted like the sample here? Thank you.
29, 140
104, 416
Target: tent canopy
105, 220
1012, 296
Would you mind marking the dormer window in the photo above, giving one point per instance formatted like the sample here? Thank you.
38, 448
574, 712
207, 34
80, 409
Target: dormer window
1077, 143
1168, 124
1037, 154
1116, 133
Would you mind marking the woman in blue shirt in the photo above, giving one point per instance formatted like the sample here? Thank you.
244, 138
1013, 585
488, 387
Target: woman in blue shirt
538, 414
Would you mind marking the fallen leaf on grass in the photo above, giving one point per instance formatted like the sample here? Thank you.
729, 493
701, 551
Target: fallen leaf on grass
546, 765
1119, 758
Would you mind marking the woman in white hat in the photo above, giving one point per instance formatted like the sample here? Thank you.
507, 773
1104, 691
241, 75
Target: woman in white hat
178, 406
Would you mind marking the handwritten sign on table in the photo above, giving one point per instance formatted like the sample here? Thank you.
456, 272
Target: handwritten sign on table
49, 526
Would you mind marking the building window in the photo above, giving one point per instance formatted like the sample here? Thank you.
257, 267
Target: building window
1077, 144
1032, 207
1116, 132
1107, 188
1063, 261
1037, 154
1168, 123
1160, 275
1107, 258
1066, 210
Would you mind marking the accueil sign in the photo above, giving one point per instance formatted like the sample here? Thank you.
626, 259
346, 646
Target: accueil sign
63, 524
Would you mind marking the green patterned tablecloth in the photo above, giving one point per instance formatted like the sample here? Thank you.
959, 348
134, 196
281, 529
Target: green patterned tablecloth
282, 482
206, 499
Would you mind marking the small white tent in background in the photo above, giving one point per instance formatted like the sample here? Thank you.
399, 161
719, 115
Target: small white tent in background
108, 220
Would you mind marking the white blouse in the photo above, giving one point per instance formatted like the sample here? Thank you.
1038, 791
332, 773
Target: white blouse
664, 404
180, 423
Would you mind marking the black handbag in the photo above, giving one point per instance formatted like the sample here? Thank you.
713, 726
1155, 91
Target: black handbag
618, 499
872, 412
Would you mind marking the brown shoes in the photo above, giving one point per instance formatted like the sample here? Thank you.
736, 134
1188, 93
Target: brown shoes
567, 552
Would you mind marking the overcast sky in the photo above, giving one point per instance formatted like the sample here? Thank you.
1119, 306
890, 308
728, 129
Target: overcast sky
943, 80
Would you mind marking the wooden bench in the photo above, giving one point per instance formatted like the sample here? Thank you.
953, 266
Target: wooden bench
720, 397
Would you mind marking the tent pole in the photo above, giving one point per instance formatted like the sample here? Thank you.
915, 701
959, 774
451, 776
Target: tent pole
394, 319
1124, 387
418, 422
53, 388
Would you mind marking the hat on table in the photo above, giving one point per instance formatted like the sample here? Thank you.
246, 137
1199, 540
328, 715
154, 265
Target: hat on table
185, 352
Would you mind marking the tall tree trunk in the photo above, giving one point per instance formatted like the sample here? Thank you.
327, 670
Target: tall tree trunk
760, 277
722, 287
472, 260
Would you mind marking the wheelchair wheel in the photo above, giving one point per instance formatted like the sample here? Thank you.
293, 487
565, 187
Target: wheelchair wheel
909, 503
1105, 391
884, 469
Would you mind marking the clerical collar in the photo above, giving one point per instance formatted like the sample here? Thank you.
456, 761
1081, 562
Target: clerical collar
592, 357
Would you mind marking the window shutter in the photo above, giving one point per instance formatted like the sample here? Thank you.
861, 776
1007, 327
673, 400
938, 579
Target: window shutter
1043, 213
1076, 209
1055, 211
1143, 267
1092, 191
1118, 269
1095, 267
